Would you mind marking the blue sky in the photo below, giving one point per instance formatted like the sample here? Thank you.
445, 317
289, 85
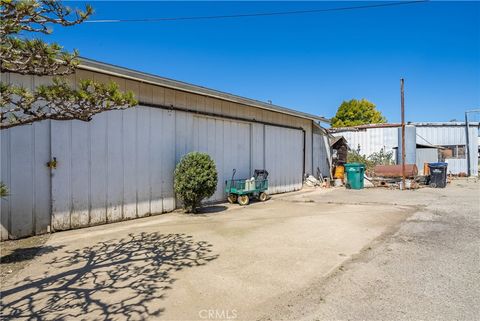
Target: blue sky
310, 62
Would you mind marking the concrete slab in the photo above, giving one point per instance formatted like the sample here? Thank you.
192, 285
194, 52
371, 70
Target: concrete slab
226, 264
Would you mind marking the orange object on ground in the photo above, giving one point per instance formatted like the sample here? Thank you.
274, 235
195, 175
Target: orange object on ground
426, 169
339, 172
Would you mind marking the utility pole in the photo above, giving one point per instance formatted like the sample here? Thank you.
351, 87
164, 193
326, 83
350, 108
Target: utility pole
402, 102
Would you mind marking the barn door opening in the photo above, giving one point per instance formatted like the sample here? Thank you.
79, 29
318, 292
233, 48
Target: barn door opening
284, 158
228, 143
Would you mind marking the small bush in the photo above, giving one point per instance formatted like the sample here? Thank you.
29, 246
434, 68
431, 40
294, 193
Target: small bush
3, 190
379, 158
195, 179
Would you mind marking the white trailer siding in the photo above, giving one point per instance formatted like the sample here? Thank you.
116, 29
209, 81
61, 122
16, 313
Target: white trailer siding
120, 165
444, 135
441, 134
425, 155
372, 140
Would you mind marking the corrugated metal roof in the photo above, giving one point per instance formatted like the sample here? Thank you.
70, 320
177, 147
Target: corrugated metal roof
362, 127
93, 65
449, 123
389, 125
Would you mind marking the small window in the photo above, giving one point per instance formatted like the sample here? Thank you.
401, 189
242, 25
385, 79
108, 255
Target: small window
452, 151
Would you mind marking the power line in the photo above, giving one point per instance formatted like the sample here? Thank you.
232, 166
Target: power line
279, 13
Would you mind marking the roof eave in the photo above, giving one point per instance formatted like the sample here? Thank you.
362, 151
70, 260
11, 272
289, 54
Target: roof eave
97, 66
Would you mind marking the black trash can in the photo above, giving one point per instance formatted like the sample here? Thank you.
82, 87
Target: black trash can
438, 175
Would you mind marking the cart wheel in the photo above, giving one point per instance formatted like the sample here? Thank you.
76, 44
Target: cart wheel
262, 197
243, 200
232, 198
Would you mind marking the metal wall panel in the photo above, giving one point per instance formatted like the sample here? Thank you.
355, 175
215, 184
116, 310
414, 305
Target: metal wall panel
284, 158
456, 166
120, 165
132, 162
425, 155
452, 135
321, 155
410, 145
372, 140
24, 153
229, 145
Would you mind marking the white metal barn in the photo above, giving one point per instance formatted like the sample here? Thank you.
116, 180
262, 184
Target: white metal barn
451, 137
120, 165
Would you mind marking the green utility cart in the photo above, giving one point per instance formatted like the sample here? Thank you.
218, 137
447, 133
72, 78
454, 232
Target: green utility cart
241, 190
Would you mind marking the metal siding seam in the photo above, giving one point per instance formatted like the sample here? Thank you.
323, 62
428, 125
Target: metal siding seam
10, 232
34, 173
89, 206
107, 148
70, 175
123, 165
150, 159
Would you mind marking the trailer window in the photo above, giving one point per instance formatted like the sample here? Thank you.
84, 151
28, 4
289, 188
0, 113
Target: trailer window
453, 151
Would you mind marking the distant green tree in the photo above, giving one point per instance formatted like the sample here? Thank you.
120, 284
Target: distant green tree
357, 112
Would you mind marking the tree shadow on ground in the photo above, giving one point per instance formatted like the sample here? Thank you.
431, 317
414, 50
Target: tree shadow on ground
27, 253
116, 279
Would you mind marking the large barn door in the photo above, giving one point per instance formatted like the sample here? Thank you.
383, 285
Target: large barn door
228, 143
118, 166
284, 157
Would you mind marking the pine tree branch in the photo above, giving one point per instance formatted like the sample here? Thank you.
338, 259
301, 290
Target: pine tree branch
33, 16
19, 106
35, 57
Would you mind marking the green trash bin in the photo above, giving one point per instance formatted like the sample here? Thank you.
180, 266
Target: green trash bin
355, 173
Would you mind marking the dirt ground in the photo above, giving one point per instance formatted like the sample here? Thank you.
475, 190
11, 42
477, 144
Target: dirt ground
266, 260
15, 255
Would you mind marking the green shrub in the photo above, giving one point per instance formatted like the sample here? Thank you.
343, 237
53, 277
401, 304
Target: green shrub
3, 190
382, 158
195, 179
379, 158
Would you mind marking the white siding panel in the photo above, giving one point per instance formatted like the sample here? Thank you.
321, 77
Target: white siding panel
61, 141
168, 160
121, 164
142, 170
284, 158
228, 143
156, 161
98, 169
452, 135
21, 187
425, 155
321, 155
129, 163
80, 173
372, 140
5, 178
456, 166
258, 152
114, 166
